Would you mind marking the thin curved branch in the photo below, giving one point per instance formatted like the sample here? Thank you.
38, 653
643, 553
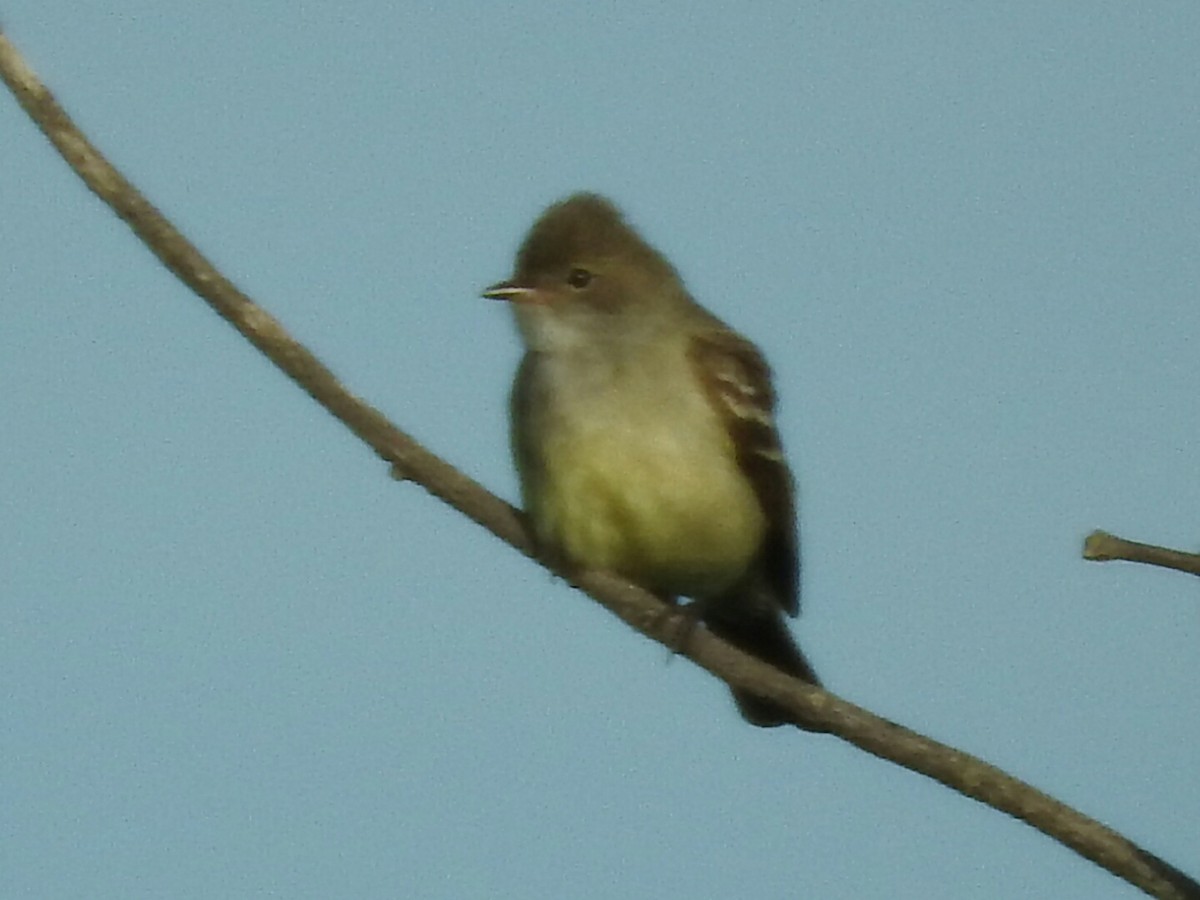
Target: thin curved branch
887, 740
1100, 546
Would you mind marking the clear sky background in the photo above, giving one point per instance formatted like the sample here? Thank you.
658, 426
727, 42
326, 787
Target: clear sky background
237, 660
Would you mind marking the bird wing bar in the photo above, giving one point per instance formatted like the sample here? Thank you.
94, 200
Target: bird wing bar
738, 382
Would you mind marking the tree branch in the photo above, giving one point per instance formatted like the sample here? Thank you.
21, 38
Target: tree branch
1100, 546
887, 740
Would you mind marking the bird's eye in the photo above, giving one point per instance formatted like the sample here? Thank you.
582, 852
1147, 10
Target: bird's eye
579, 278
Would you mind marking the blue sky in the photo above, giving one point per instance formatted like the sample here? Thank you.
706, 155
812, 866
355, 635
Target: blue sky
237, 660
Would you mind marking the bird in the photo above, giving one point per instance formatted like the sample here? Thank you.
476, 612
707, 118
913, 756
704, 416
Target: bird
644, 437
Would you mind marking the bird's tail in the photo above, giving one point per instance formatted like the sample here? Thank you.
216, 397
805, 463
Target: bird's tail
764, 634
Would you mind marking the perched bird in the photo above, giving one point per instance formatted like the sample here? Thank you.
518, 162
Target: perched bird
644, 437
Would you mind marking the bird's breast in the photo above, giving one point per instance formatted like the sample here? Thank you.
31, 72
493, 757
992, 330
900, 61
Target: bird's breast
635, 474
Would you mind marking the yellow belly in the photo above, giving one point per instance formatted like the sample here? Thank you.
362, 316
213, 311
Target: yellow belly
647, 505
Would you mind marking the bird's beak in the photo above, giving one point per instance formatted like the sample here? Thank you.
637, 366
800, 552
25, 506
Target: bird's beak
508, 290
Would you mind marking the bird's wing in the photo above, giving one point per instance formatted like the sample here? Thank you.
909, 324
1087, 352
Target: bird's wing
738, 382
